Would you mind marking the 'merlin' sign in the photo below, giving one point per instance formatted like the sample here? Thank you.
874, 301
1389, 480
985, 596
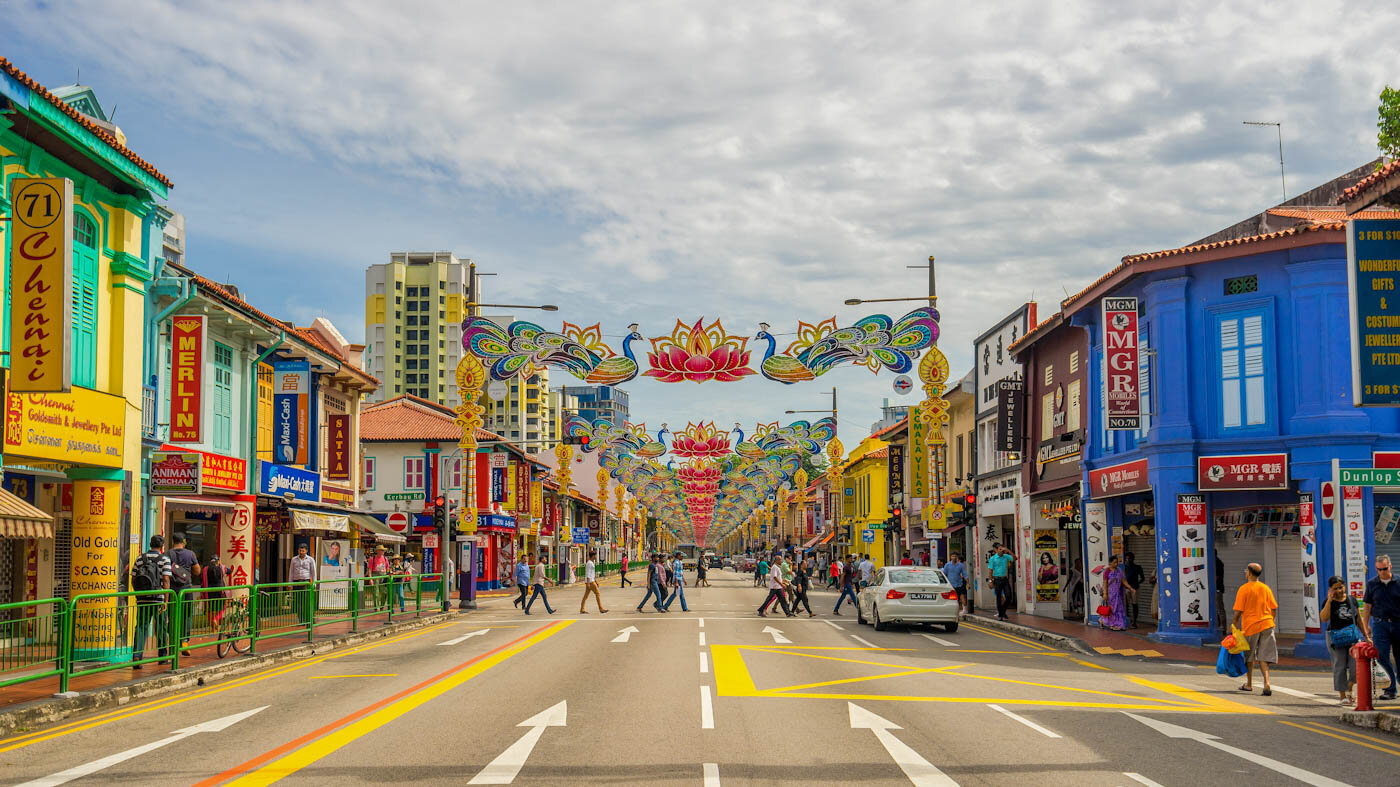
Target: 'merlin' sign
338, 446
1120, 360
41, 281
1117, 480
186, 378
1242, 471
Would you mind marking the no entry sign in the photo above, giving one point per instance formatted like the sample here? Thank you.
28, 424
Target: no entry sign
397, 521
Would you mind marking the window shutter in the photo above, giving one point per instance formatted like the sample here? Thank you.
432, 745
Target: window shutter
1230, 373
1144, 383
84, 331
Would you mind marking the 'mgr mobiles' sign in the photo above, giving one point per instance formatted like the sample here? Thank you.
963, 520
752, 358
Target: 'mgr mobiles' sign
1120, 360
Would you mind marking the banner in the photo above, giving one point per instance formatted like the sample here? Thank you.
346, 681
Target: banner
187, 378
1354, 530
338, 447
96, 563
1047, 565
290, 411
236, 541
896, 473
1373, 246
1096, 559
333, 562
82, 426
918, 455
41, 281
1307, 533
1010, 396
177, 473
1120, 357
1192, 529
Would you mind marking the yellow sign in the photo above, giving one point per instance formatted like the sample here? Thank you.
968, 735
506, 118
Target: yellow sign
41, 276
96, 562
81, 427
510, 503
918, 454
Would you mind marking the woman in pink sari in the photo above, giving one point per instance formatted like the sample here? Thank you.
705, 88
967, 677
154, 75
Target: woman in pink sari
1116, 591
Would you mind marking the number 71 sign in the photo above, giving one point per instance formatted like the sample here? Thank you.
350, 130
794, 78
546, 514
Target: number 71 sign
41, 275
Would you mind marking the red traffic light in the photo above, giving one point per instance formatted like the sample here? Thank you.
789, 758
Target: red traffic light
898, 511
439, 501
970, 499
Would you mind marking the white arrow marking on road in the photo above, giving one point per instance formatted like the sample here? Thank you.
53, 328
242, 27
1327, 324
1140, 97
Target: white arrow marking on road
945, 643
1025, 721
80, 771
625, 635
465, 637
506, 767
920, 771
778, 638
1213, 741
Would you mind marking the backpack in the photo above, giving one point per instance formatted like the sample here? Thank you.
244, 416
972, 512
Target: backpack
145, 572
180, 576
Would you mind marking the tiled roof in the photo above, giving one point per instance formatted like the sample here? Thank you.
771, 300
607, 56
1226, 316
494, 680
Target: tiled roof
411, 419
1036, 331
900, 424
1370, 180
82, 120
1332, 214
1068, 306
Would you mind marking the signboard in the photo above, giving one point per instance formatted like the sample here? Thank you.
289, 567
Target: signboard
290, 411
497, 390
236, 540
96, 566
338, 495
499, 459
397, 521
1122, 479
41, 281
1385, 458
902, 384
1047, 565
186, 378
868, 536
1242, 471
1329, 500
1096, 559
1373, 265
338, 446
176, 473
404, 496
281, 480
82, 426
1369, 476
580, 535
1010, 397
1192, 531
1120, 360
1354, 533
896, 472
498, 484
430, 540
918, 454
1307, 534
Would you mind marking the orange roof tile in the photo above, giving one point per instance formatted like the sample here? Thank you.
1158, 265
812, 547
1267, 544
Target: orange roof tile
1036, 331
82, 120
411, 419
903, 422
1332, 214
1369, 181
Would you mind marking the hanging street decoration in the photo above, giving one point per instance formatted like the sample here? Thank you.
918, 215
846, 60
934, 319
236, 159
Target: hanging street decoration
698, 354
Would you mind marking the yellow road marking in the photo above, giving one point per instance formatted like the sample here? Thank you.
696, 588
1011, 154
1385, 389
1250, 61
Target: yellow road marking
367, 675
1329, 733
1105, 650
334, 741
1010, 637
1360, 736
1211, 702
29, 739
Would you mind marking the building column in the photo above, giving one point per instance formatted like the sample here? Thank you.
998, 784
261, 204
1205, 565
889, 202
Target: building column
1170, 334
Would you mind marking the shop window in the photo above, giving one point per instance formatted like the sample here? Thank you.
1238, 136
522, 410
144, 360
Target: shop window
454, 473
1243, 393
369, 472
85, 274
1144, 382
412, 473
223, 398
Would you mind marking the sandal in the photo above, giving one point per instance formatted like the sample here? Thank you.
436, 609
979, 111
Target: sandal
1247, 688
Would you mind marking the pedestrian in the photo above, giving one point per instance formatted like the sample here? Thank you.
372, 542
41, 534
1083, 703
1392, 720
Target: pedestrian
1115, 594
151, 572
1132, 572
622, 570
999, 570
1340, 614
906, 560
302, 569
590, 584
702, 570
378, 570
408, 583
777, 590
185, 573
848, 583
654, 589
833, 573
541, 577
956, 572
801, 583
867, 571
677, 578
522, 579
760, 571
1380, 617
1255, 608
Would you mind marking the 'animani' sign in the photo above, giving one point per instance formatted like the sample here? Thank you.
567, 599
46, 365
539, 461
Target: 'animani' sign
186, 378
41, 276
1120, 358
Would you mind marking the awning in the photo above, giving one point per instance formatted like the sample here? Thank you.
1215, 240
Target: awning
827, 538
303, 519
812, 541
19, 519
197, 505
377, 530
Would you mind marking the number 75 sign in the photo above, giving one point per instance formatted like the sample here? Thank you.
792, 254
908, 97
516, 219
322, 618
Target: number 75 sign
41, 275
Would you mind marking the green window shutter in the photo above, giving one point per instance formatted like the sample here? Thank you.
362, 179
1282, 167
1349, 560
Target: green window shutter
223, 398
84, 328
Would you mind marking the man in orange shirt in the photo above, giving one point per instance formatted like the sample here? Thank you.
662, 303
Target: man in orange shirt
1255, 609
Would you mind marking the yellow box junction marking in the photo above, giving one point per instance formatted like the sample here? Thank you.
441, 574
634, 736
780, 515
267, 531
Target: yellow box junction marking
1104, 649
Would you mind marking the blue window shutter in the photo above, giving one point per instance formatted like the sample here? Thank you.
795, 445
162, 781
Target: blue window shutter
1244, 401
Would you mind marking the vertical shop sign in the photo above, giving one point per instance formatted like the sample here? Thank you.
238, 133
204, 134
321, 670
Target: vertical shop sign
1191, 531
896, 473
338, 447
41, 282
1047, 565
1120, 358
1010, 394
187, 378
1353, 528
498, 484
290, 410
1307, 533
1373, 246
512, 487
236, 542
918, 454
95, 566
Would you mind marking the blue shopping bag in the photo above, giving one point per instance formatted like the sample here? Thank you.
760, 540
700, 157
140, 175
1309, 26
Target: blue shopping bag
1231, 664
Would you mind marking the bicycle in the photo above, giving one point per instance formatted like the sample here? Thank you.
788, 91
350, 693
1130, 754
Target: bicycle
234, 620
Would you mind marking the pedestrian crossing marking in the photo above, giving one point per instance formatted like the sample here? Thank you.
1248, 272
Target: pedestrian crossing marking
1105, 650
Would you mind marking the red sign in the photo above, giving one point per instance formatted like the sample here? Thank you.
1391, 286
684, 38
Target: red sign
186, 378
1329, 499
1120, 354
397, 521
338, 446
220, 473
1387, 459
1115, 480
1242, 471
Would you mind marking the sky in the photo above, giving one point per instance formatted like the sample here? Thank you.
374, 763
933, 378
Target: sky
752, 162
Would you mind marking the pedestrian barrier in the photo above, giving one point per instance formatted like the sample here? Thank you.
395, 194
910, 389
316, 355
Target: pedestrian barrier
111, 630
31, 641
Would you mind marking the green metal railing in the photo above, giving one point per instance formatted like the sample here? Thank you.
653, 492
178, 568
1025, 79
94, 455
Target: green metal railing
113, 630
31, 641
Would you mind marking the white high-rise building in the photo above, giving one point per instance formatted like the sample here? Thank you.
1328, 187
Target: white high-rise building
414, 306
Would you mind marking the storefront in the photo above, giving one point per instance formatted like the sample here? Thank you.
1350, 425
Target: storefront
996, 524
26, 548
495, 551
1120, 499
200, 496
1057, 537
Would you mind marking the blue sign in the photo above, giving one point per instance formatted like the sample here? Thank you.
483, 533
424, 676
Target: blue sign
495, 520
1373, 267
498, 484
868, 536
291, 385
580, 535
279, 480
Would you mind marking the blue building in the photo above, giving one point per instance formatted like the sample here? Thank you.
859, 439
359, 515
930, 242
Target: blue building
599, 401
1244, 383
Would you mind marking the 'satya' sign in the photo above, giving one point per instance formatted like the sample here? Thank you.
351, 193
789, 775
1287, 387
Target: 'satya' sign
1120, 358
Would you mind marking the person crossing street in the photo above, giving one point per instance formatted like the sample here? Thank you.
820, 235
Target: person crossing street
848, 584
677, 584
655, 592
590, 584
540, 580
777, 590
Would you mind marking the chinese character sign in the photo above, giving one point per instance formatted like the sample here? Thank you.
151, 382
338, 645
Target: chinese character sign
290, 410
41, 276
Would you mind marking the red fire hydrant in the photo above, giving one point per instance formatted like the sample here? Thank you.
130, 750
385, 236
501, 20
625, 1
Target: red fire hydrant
1363, 652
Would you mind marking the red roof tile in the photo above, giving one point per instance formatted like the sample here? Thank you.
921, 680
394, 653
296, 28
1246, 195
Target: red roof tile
903, 422
1036, 331
411, 419
1369, 181
82, 120
1332, 214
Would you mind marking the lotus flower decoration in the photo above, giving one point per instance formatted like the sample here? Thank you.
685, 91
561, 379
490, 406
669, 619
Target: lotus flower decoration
700, 441
699, 353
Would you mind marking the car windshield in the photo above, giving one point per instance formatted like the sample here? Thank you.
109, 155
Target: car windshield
916, 576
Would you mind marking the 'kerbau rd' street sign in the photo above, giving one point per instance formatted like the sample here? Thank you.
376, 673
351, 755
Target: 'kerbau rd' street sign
1370, 476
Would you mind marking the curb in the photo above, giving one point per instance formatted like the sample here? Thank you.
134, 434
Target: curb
39, 712
1374, 720
1059, 640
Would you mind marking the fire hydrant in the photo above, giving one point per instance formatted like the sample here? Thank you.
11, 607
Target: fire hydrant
1363, 652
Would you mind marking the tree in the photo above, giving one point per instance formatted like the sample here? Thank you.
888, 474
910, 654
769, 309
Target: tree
1388, 139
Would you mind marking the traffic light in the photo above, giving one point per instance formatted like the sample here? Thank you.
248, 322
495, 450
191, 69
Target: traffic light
581, 440
439, 513
896, 516
968, 502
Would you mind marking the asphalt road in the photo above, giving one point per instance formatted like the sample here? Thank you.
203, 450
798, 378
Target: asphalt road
709, 697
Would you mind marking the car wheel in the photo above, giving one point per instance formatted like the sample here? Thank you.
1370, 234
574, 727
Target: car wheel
880, 625
950, 627
860, 615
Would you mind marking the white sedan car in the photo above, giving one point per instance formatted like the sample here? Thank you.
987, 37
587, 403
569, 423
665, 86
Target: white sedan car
908, 594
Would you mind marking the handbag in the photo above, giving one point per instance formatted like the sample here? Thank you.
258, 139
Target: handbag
1345, 637
1104, 610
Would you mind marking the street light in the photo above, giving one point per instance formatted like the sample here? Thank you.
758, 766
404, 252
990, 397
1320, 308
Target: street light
932, 296
548, 307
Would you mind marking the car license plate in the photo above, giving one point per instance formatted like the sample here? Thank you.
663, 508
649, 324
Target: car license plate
922, 596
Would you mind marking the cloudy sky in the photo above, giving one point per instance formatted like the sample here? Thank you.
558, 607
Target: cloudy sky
756, 162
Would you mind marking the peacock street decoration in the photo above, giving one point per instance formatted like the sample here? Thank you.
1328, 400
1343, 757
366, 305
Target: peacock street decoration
523, 348
874, 342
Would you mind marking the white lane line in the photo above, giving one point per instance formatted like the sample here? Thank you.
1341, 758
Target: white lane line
1176, 731
1025, 721
1306, 695
702, 622
702, 639
866, 643
1140, 779
704, 662
945, 643
711, 774
833, 625
707, 709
